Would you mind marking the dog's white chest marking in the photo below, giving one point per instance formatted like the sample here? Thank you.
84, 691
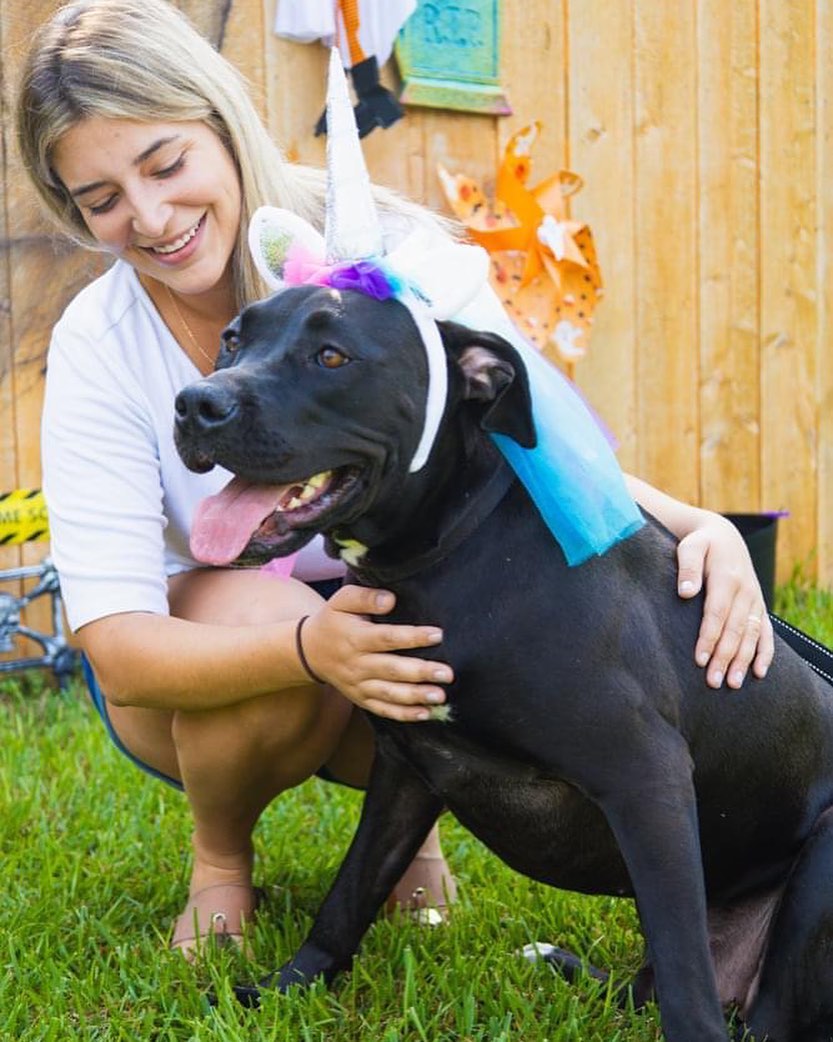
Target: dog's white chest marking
351, 552
441, 714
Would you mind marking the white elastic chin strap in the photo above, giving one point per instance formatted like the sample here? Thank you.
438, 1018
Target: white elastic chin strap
437, 378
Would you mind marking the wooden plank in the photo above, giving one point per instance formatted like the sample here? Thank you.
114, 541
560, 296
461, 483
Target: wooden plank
534, 72
788, 275
45, 272
824, 337
9, 557
601, 148
730, 446
294, 86
404, 156
665, 259
236, 29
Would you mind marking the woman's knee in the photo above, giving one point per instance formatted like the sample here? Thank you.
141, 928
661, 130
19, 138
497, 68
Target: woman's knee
290, 732
145, 734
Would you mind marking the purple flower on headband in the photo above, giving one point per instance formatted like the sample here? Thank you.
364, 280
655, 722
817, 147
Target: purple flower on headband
365, 277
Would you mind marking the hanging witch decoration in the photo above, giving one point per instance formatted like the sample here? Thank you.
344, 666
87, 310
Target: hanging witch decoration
543, 263
571, 475
364, 31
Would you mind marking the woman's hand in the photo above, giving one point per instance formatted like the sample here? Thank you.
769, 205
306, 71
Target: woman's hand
735, 631
358, 656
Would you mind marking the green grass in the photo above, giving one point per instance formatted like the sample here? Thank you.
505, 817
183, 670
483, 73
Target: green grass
94, 863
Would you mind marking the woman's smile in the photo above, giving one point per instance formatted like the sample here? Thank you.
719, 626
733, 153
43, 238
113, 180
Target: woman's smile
179, 249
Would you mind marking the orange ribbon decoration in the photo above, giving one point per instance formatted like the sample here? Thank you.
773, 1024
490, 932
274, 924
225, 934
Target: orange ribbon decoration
544, 265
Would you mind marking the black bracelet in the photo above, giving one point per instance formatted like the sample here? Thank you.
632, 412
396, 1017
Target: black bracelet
299, 647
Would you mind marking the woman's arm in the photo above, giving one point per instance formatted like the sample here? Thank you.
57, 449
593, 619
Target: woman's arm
159, 661
736, 631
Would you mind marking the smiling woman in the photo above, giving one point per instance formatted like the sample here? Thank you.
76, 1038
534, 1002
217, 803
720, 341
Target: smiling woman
142, 142
196, 671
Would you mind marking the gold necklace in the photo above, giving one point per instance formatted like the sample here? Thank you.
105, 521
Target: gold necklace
211, 361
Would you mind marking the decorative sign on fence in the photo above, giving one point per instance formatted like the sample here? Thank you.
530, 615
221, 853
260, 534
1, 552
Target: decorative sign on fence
449, 57
364, 32
543, 263
22, 516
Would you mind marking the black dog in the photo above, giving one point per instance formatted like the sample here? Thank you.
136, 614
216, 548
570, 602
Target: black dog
583, 745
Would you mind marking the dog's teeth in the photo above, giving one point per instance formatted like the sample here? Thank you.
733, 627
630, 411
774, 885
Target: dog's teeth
313, 485
301, 494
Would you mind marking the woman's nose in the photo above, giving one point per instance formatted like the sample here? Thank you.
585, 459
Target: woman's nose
150, 214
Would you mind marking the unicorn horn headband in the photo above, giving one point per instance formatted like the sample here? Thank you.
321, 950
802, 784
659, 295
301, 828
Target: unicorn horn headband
432, 276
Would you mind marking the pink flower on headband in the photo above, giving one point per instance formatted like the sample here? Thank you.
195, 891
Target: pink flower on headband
364, 276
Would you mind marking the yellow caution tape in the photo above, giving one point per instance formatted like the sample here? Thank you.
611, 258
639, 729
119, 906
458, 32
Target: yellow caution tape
22, 516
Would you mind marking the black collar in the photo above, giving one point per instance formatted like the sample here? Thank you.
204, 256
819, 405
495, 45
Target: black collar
470, 512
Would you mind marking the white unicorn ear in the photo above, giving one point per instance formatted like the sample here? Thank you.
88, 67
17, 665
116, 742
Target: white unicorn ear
445, 275
276, 236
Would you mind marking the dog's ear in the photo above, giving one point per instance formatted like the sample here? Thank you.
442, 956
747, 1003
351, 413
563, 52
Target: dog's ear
494, 373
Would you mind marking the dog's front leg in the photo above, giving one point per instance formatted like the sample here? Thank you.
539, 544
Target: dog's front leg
397, 815
654, 818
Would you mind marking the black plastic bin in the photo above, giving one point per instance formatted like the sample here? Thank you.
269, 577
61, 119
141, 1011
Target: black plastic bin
760, 532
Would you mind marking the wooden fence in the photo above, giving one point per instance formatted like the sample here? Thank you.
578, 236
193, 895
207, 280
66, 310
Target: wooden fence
702, 130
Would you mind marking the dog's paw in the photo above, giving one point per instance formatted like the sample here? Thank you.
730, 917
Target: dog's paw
288, 976
297, 974
248, 995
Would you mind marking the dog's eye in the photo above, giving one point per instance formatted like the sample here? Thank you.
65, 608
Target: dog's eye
330, 357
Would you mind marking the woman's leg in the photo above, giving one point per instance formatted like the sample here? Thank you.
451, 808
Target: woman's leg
233, 762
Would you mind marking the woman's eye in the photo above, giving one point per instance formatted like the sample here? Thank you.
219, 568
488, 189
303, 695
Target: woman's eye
104, 206
167, 171
331, 358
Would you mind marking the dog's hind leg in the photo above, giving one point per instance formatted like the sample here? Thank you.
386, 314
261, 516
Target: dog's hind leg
794, 1001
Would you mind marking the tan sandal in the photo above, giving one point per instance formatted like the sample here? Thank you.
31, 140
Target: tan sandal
425, 892
216, 914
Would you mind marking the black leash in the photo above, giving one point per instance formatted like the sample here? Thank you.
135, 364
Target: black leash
816, 655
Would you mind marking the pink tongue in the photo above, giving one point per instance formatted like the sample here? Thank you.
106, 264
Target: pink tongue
224, 523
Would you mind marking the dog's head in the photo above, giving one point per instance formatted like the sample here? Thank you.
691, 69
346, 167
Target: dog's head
317, 406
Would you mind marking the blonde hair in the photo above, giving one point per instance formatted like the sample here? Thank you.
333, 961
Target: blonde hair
143, 60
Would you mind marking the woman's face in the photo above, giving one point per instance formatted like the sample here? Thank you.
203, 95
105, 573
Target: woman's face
163, 196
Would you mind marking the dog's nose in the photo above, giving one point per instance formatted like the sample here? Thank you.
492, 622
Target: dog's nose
204, 406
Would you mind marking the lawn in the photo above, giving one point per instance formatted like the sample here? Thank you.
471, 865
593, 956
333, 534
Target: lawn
95, 869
